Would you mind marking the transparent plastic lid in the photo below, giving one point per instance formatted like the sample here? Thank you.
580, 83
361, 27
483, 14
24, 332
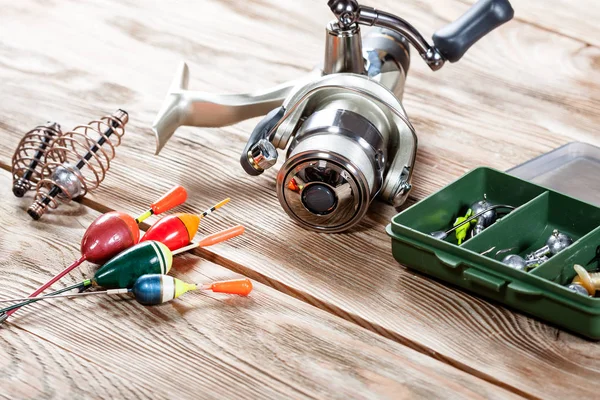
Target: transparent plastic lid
573, 169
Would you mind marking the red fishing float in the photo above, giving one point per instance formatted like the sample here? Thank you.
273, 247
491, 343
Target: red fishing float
115, 231
110, 234
178, 230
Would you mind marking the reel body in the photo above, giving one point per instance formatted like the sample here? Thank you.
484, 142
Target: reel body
347, 136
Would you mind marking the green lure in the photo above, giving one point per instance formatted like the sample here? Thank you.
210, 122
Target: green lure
461, 233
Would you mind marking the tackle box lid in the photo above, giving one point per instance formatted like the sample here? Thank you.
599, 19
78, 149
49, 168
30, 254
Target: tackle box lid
573, 169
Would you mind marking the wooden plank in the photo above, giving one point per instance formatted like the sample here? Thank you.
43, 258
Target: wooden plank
266, 346
498, 107
32, 368
575, 19
444, 106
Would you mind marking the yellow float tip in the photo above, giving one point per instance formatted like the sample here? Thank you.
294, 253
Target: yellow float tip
167, 254
222, 203
182, 287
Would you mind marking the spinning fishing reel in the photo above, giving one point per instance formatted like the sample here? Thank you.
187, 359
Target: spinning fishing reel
347, 135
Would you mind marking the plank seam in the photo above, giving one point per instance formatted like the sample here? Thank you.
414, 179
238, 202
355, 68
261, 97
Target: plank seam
363, 323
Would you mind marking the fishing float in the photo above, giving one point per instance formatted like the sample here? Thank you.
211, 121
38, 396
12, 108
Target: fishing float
181, 230
115, 231
123, 270
154, 289
111, 233
150, 257
178, 230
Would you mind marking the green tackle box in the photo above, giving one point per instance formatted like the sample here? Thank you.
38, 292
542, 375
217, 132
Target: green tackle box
540, 292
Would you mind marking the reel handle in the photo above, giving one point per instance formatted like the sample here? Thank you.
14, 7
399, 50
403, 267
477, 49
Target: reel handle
454, 39
450, 43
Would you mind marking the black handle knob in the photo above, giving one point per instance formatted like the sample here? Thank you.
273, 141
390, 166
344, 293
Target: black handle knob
454, 39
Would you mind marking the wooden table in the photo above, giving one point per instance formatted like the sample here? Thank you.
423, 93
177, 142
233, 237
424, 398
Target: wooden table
332, 316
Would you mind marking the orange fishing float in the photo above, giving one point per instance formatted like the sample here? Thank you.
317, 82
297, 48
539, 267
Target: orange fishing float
178, 230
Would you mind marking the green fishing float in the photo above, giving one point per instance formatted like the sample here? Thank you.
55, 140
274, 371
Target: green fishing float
123, 270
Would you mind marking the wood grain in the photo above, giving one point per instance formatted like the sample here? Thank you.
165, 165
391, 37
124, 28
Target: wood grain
268, 345
575, 19
520, 92
31, 367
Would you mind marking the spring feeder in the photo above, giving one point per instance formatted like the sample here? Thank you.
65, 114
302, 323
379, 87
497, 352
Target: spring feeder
28, 159
77, 161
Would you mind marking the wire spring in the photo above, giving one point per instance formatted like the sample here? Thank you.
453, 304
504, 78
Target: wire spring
85, 153
30, 156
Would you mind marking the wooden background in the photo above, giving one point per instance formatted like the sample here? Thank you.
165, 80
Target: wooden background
333, 316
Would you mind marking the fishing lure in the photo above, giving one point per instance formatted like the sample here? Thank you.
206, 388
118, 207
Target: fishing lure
461, 232
154, 289
589, 280
149, 257
441, 235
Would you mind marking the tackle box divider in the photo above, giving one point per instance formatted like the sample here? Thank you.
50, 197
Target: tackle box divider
507, 223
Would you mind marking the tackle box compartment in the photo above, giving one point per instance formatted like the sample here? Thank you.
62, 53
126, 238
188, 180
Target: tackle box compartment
541, 292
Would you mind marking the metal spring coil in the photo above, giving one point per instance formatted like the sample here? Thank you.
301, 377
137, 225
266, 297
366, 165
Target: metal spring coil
30, 156
89, 148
